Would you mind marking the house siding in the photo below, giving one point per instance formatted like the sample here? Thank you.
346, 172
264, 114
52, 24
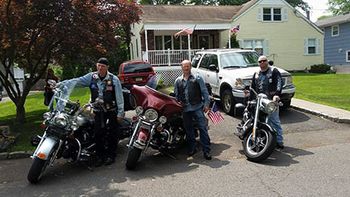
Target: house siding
284, 40
336, 46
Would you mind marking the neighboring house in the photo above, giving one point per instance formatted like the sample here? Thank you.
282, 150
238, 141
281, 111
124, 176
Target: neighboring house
336, 40
271, 27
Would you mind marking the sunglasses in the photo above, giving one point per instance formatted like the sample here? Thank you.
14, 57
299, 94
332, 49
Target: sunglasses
261, 61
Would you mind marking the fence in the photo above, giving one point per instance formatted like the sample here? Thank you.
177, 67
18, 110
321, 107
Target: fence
168, 57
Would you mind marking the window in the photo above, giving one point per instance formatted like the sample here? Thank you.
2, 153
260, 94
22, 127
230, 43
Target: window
272, 14
348, 56
256, 45
335, 30
166, 42
311, 46
159, 42
206, 60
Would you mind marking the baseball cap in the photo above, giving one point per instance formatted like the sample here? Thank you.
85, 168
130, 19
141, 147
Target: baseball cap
103, 60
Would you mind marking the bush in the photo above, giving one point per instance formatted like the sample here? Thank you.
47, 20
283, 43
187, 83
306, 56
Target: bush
320, 68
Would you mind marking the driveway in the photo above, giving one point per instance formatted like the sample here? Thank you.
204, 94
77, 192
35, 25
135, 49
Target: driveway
313, 163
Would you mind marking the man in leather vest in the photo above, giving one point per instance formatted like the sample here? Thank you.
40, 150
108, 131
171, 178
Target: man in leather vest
107, 88
191, 91
269, 81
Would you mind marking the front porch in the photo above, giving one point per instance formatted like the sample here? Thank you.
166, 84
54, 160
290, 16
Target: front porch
168, 57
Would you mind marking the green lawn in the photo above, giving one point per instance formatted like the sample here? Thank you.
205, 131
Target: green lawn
328, 89
34, 110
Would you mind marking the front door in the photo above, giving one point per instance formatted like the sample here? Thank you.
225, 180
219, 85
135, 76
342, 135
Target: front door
203, 41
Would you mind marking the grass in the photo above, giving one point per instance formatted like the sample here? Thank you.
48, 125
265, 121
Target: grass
327, 89
34, 110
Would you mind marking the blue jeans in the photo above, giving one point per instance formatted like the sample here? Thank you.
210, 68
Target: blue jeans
189, 119
275, 123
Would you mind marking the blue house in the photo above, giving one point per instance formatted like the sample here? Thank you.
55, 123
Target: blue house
336, 41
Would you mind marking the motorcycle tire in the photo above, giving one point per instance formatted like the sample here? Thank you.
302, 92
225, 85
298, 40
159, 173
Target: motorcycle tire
36, 170
266, 144
133, 156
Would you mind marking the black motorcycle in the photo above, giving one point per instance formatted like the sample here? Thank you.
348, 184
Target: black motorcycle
68, 133
259, 138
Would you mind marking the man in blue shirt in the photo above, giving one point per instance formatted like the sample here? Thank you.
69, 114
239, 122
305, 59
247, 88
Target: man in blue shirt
104, 86
191, 91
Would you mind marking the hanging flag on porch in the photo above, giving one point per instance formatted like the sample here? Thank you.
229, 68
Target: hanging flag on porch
234, 29
185, 31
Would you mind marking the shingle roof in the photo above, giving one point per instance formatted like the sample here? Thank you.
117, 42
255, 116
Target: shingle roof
183, 14
333, 20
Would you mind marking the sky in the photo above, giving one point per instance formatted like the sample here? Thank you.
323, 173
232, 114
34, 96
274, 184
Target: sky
318, 8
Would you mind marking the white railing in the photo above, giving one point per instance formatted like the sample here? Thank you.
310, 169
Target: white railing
168, 57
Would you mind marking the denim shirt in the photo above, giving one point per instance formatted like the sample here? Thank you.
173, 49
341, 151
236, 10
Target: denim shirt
85, 81
204, 91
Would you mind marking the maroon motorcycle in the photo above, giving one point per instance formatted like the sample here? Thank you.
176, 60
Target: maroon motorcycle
158, 123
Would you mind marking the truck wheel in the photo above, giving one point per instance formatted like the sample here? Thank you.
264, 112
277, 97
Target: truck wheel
227, 101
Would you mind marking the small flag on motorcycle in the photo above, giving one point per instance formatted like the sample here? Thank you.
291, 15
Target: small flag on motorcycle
214, 114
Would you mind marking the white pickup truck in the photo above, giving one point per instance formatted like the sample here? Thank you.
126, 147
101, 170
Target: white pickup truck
220, 68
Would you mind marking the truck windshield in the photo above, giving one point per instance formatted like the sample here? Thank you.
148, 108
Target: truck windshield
239, 59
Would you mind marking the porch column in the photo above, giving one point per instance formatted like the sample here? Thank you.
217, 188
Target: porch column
229, 39
146, 44
189, 46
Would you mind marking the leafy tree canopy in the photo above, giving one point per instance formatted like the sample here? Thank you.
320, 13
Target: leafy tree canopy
35, 33
338, 7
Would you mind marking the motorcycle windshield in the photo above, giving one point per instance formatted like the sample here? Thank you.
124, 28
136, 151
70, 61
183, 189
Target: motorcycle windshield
60, 100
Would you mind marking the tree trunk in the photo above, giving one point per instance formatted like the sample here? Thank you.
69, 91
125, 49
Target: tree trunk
20, 111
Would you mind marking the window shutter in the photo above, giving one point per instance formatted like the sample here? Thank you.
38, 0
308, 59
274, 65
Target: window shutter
260, 14
284, 14
266, 47
305, 46
318, 46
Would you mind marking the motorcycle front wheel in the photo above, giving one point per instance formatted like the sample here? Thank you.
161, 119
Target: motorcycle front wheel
133, 156
37, 169
261, 148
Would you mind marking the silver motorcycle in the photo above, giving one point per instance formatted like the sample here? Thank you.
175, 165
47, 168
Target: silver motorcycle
259, 138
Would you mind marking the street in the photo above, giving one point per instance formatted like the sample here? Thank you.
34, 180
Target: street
315, 162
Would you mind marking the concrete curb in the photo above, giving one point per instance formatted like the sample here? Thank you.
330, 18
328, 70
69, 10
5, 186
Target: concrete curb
323, 115
15, 155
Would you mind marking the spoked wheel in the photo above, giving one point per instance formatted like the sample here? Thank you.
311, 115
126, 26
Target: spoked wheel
259, 149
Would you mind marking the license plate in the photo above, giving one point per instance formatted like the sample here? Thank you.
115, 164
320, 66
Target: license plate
138, 79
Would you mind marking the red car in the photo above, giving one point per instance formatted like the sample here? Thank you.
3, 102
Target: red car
135, 72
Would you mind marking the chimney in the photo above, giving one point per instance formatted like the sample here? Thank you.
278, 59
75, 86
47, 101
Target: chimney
308, 14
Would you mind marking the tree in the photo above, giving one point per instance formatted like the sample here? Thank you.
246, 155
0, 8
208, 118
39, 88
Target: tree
34, 33
338, 7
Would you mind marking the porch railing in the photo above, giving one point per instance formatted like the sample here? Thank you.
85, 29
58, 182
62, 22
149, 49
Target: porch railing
168, 57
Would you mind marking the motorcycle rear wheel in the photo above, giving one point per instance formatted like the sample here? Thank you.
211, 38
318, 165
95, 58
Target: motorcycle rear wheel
133, 156
37, 169
262, 149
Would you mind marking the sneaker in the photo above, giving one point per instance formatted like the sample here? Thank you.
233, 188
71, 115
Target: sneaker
280, 146
207, 156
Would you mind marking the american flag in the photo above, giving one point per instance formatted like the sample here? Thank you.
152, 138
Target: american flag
235, 29
214, 115
185, 31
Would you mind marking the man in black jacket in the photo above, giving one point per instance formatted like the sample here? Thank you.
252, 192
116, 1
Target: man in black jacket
269, 81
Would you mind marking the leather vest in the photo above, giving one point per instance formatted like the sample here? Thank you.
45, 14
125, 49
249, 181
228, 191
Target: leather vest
108, 92
194, 91
265, 83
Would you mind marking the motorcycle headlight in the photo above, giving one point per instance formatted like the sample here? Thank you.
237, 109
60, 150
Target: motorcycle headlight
61, 120
47, 115
81, 120
162, 119
151, 115
139, 110
269, 106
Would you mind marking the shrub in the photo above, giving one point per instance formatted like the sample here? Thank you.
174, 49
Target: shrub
320, 68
